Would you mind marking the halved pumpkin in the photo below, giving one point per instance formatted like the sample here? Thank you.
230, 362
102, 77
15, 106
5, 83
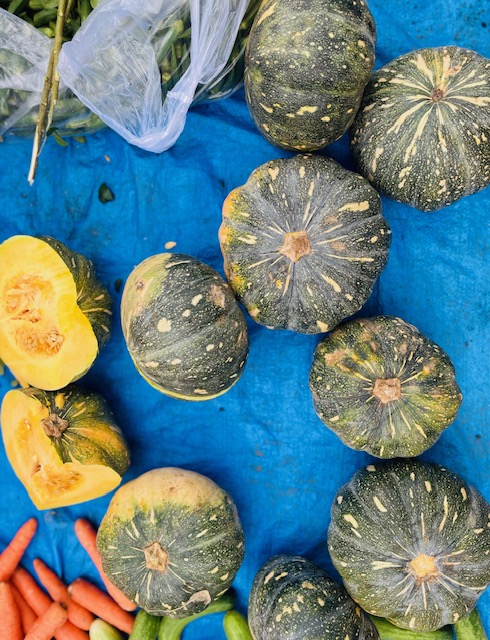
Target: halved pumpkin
64, 447
54, 313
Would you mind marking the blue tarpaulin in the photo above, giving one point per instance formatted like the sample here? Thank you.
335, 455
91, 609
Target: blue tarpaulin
262, 441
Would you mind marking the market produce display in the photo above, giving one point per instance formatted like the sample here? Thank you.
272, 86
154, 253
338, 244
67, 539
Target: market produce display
304, 241
422, 135
171, 541
52, 302
307, 65
411, 541
183, 327
383, 387
292, 598
64, 446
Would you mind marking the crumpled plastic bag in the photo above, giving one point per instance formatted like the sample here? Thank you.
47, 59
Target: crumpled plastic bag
138, 66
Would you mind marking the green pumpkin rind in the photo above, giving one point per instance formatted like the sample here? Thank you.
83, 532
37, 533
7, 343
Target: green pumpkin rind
411, 541
93, 298
422, 135
91, 435
307, 64
383, 387
183, 327
292, 599
192, 535
337, 216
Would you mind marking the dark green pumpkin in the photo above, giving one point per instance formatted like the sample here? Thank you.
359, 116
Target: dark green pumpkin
307, 64
292, 599
422, 135
183, 327
303, 241
383, 387
171, 541
411, 541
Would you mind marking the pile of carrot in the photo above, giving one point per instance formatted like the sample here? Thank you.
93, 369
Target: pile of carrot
62, 612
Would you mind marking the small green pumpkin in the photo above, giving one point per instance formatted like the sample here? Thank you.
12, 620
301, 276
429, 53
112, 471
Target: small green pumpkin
307, 64
303, 242
171, 541
183, 327
292, 599
64, 446
383, 387
422, 135
411, 541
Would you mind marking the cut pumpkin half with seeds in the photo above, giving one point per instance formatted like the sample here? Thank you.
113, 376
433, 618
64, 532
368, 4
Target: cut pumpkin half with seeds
64, 446
54, 313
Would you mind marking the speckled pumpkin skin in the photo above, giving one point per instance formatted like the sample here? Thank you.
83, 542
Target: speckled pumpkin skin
411, 541
342, 240
422, 135
171, 541
292, 599
383, 387
183, 327
307, 64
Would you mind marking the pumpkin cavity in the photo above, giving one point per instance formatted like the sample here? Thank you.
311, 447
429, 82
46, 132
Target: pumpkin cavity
54, 425
424, 568
296, 246
156, 558
387, 391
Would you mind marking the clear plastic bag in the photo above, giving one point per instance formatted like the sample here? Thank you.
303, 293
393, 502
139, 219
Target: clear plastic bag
135, 66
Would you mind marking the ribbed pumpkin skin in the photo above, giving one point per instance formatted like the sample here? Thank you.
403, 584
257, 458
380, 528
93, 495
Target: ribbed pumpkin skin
383, 387
303, 241
411, 541
307, 64
292, 599
422, 135
191, 525
183, 327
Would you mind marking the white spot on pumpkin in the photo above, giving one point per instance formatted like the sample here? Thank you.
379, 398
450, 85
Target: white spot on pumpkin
210, 347
196, 300
224, 577
340, 499
176, 361
351, 520
273, 173
164, 325
379, 505
186, 313
371, 468
306, 109
428, 486
322, 326
268, 577
355, 206
464, 494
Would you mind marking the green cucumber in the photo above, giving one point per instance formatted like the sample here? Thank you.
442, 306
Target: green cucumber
101, 630
236, 626
388, 631
145, 626
470, 627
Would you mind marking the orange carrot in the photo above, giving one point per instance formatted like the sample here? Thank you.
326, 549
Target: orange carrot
27, 615
102, 605
12, 555
78, 615
40, 602
87, 535
47, 624
10, 626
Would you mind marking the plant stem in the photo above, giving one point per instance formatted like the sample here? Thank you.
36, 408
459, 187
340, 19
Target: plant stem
388, 631
236, 626
172, 628
470, 628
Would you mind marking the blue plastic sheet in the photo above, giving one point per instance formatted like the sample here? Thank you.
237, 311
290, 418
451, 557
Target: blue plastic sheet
261, 441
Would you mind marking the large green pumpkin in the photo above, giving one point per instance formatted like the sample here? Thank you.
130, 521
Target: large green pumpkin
307, 64
292, 599
171, 541
303, 241
383, 387
422, 135
64, 446
183, 327
411, 541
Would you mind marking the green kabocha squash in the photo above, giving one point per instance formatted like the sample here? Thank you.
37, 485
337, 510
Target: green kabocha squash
422, 135
303, 242
171, 541
383, 387
411, 541
307, 64
64, 446
292, 599
55, 315
183, 327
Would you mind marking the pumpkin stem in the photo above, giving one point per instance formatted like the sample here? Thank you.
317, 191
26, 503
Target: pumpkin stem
54, 425
296, 245
423, 568
387, 390
156, 557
